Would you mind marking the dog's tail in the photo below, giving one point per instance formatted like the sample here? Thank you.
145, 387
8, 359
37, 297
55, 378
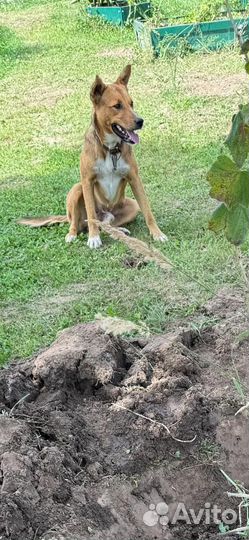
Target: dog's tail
43, 221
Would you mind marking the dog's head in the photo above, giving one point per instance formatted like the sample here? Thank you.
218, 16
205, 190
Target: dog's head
113, 108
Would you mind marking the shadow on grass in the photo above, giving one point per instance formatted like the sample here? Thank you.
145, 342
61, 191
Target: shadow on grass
13, 49
45, 190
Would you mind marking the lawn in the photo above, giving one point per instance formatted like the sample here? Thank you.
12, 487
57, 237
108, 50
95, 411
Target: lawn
50, 53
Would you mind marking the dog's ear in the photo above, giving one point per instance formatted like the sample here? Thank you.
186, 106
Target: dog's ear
97, 90
124, 76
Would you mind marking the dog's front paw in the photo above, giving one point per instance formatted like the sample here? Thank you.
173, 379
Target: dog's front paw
160, 237
94, 242
70, 238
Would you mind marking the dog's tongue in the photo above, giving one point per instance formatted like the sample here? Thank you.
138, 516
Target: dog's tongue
134, 137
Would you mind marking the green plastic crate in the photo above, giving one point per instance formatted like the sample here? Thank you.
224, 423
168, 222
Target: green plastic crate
211, 35
121, 15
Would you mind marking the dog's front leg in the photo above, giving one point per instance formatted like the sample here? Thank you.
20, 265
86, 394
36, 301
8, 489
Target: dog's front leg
140, 195
94, 240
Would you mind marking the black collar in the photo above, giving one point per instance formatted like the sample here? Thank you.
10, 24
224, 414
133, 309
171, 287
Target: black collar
115, 152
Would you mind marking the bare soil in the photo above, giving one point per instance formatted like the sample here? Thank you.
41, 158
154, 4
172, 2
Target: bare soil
77, 465
209, 85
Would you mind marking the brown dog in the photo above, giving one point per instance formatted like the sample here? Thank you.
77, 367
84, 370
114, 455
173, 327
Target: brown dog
107, 164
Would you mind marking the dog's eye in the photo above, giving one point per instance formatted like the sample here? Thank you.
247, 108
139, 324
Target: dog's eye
118, 106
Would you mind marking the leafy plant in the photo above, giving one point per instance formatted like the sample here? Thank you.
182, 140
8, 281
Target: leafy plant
110, 3
210, 10
192, 11
229, 175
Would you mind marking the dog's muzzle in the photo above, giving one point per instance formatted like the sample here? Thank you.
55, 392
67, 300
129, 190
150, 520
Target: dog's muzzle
128, 136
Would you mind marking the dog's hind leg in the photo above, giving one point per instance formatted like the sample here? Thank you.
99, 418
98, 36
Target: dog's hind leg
125, 212
76, 212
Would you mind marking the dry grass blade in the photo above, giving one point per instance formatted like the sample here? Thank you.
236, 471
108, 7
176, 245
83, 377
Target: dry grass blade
17, 403
239, 531
238, 495
138, 246
118, 327
242, 530
242, 409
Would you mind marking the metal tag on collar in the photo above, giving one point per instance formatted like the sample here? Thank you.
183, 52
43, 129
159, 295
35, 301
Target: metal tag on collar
114, 161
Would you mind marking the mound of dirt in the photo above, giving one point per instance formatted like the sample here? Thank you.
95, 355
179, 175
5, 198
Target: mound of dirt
106, 438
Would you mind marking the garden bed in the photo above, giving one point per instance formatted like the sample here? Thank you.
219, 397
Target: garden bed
211, 35
122, 14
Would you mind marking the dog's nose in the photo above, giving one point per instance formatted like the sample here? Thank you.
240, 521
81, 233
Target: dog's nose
139, 123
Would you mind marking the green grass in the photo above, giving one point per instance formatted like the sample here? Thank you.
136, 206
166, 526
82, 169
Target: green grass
50, 53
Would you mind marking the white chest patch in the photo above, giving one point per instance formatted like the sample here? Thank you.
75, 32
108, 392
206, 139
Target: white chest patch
108, 178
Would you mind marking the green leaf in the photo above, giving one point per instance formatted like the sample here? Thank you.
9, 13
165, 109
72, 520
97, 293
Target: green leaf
238, 138
233, 219
223, 178
243, 196
228, 183
247, 67
237, 226
217, 223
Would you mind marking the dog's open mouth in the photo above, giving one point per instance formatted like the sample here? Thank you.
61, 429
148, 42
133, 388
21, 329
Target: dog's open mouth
130, 137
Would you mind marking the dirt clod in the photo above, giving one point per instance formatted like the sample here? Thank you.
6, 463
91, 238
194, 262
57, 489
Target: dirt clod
76, 464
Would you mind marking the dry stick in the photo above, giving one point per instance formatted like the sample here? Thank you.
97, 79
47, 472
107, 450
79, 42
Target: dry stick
141, 248
236, 30
155, 422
